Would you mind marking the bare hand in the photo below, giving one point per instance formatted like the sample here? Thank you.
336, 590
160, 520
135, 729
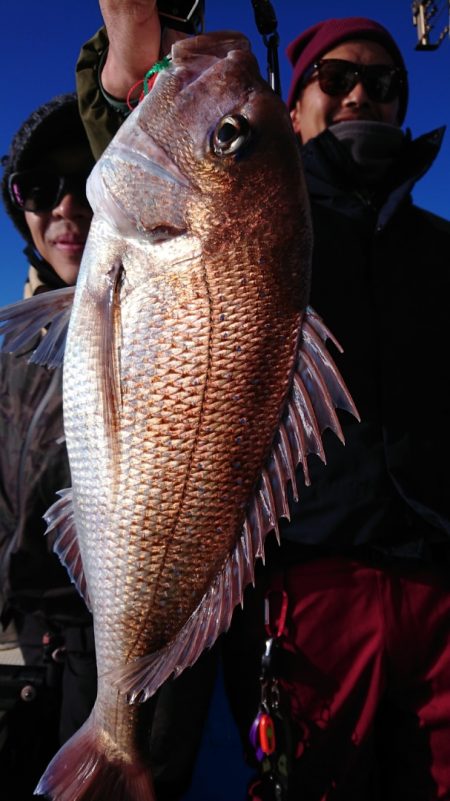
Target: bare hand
134, 34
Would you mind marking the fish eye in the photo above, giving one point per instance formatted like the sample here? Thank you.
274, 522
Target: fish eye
230, 134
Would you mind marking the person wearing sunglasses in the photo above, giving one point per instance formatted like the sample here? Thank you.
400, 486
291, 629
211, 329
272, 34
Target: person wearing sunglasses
43, 189
355, 80
363, 660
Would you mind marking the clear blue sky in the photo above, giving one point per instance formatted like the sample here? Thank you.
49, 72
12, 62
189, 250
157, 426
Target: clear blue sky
41, 41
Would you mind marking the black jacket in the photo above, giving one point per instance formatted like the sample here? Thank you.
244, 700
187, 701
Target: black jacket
381, 281
33, 467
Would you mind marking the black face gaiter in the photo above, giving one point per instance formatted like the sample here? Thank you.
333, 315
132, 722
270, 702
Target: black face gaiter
373, 146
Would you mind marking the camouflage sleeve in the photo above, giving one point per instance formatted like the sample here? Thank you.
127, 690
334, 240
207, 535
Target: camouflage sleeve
101, 113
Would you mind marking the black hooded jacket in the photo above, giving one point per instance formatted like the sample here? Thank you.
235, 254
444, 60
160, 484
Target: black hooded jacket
381, 281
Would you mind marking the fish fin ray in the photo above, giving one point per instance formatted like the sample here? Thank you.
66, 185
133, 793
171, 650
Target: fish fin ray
105, 322
21, 322
314, 336
61, 529
109, 324
81, 771
140, 679
318, 389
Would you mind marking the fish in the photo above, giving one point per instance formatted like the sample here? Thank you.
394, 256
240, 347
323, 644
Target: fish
196, 378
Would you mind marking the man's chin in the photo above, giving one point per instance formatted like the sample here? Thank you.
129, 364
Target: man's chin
67, 270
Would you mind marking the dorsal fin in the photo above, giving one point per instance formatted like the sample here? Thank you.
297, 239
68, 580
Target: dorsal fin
317, 389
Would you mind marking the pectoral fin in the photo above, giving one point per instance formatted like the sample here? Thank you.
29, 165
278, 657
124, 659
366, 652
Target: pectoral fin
23, 321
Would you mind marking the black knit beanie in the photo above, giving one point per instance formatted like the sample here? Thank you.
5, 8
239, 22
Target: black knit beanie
53, 124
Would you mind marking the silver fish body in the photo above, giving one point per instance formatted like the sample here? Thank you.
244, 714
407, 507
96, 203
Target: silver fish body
182, 342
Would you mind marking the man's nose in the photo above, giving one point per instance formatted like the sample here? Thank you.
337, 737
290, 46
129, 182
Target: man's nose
72, 205
358, 95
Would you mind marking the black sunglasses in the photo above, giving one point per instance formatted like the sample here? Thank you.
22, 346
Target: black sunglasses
42, 190
338, 77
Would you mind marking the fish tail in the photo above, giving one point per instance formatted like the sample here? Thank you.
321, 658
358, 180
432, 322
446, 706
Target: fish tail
83, 770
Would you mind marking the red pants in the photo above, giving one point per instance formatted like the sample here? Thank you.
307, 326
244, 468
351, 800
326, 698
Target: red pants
366, 666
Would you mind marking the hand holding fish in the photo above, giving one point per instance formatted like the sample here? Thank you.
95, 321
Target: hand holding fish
134, 34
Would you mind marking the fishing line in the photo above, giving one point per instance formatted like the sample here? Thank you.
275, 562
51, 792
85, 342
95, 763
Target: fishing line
147, 81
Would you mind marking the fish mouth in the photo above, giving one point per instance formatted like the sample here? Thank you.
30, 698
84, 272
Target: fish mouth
144, 183
214, 46
219, 66
194, 57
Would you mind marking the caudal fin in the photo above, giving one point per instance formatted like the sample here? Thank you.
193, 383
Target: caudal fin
89, 768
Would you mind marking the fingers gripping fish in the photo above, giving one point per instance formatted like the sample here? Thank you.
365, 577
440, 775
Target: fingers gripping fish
196, 380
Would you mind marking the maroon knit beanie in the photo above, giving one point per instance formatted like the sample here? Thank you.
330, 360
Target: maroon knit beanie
313, 43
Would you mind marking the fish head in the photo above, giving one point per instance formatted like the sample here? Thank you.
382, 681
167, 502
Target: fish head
210, 152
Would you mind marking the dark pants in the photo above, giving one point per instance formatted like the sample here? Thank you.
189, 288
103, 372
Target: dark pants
62, 698
35, 730
177, 716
